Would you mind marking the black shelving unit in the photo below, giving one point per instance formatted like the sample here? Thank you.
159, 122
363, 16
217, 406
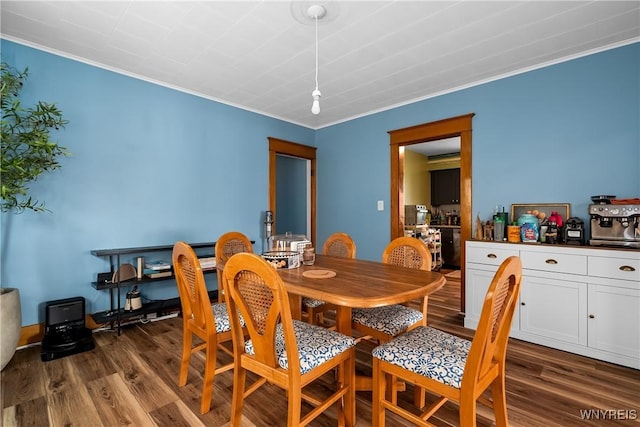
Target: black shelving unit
116, 313
158, 307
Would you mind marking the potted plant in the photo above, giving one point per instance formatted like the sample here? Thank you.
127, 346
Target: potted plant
27, 152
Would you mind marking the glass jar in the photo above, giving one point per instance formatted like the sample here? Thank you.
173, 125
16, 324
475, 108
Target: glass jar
529, 228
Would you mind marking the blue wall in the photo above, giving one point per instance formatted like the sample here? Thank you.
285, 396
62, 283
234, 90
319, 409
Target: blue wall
152, 165
555, 135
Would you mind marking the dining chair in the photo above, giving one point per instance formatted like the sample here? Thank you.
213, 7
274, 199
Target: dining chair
210, 323
288, 353
385, 323
228, 244
452, 367
339, 245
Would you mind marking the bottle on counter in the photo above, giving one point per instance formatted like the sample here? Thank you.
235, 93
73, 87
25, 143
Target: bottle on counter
498, 228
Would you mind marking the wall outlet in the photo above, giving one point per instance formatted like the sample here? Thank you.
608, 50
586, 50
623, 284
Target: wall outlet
380, 205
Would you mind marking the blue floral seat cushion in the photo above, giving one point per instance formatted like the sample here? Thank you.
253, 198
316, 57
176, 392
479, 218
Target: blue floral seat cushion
221, 316
428, 352
312, 303
316, 345
392, 320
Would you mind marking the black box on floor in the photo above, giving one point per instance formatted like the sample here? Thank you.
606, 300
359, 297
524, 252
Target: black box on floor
65, 330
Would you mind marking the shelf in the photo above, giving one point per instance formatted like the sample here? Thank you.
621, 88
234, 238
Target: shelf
144, 249
115, 315
110, 285
162, 306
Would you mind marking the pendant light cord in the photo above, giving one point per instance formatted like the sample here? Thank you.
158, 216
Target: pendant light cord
316, 16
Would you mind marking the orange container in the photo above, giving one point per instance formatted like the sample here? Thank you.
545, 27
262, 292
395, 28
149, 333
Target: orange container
513, 233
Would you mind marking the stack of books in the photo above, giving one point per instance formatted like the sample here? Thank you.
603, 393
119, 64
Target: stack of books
157, 269
208, 263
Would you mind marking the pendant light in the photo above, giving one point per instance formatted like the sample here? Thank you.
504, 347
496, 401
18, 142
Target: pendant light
316, 12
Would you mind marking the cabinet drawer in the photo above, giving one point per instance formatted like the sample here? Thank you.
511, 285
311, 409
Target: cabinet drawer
490, 256
554, 262
615, 268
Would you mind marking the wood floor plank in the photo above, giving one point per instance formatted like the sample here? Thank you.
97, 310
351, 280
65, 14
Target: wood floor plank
23, 379
150, 391
28, 413
175, 414
72, 408
115, 404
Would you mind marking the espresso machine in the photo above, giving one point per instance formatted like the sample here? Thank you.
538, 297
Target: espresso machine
615, 225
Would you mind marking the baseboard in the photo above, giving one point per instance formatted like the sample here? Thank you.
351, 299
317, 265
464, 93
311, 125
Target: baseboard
33, 334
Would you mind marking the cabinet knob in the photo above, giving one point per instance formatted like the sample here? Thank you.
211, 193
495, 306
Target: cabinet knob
551, 261
627, 268
492, 256
522, 303
591, 316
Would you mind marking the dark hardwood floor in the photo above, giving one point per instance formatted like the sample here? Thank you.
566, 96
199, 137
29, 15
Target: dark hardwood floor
131, 380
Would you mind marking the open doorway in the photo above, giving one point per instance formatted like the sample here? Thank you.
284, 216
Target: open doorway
448, 128
281, 151
432, 180
292, 195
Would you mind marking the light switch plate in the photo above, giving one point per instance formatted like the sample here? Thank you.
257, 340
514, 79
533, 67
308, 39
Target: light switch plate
380, 205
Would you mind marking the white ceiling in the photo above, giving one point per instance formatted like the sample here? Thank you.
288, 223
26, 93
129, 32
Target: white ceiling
437, 147
373, 55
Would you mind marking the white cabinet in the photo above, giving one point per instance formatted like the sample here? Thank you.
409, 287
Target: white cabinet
553, 296
614, 305
574, 298
482, 263
614, 319
554, 309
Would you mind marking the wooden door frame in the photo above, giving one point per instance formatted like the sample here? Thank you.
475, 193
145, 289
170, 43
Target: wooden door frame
293, 149
447, 128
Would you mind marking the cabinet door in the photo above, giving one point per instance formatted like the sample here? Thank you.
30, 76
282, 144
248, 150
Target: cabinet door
445, 187
614, 319
554, 309
477, 281
448, 252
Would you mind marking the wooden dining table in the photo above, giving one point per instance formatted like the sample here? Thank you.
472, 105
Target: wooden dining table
357, 284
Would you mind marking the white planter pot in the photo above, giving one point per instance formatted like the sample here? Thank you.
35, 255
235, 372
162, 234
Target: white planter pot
10, 323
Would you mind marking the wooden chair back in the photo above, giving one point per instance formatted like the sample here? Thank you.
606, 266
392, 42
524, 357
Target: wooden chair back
340, 245
484, 365
227, 245
407, 252
489, 345
192, 288
256, 290
198, 319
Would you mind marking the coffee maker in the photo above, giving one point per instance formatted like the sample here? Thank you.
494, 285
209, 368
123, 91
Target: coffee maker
615, 225
573, 232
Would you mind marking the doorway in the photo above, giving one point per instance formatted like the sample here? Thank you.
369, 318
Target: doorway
460, 126
279, 148
292, 202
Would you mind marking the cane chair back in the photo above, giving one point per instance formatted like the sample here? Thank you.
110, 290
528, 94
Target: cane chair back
209, 323
408, 252
338, 245
469, 368
288, 353
228, 244
384, 323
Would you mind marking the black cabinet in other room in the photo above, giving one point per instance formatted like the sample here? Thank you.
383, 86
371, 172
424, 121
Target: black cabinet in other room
450, 247
445, 187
